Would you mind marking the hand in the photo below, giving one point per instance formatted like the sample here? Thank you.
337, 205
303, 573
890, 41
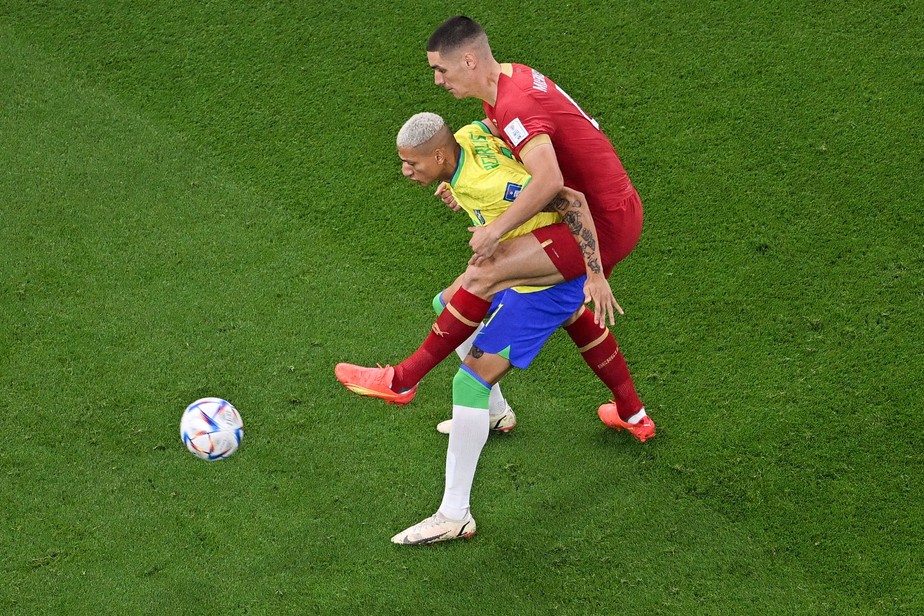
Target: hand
598, 291
483, 243
443, 192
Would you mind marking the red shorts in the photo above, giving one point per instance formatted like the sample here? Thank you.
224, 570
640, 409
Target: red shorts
619, 227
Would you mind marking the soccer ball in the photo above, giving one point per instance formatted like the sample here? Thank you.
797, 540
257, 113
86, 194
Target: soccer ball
211, 428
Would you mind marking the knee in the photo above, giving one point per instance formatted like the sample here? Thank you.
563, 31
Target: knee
480, 279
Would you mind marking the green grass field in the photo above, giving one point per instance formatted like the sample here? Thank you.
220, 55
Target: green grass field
204, 199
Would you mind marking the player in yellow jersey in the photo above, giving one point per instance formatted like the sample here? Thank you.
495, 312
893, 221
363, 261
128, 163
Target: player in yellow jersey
484, 178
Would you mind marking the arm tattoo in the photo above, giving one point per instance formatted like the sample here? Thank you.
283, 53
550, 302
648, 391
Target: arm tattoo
556, 205
588, 246
586, 243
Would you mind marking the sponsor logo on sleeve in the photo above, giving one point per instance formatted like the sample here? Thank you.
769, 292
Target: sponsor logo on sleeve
516, 132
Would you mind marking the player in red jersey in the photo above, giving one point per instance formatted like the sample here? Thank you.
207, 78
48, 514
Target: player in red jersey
559, 144
557, 141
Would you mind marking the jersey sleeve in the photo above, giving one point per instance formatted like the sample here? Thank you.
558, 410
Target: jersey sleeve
521, 119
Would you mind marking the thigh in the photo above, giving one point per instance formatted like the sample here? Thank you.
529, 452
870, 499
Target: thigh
519, 261
619, 227
562, 248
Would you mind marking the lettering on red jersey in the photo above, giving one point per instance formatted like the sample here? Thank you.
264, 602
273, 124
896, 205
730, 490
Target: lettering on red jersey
516, 131
539, 81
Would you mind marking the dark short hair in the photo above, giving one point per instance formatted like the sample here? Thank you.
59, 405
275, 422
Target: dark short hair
453, 33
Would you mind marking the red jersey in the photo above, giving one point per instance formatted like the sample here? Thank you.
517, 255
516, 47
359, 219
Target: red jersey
529, 104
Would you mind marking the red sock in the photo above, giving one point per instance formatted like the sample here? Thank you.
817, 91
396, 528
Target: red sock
456, 323
599, 349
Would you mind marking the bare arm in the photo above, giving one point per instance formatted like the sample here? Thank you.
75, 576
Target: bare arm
546, 182
572, 205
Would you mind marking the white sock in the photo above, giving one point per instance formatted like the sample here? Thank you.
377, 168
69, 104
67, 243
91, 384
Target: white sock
497, 405
637, 417
467, 438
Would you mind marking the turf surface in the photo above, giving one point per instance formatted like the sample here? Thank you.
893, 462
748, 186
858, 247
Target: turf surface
206, 201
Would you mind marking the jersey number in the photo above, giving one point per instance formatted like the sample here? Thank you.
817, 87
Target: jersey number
494, 314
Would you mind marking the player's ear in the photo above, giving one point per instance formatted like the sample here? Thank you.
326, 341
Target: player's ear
470, 60
439, 156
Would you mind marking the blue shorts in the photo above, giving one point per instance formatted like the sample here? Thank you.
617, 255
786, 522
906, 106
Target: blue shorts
520, 323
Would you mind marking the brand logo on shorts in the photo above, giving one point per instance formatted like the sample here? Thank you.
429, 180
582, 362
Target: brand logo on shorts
516, 132
512, 191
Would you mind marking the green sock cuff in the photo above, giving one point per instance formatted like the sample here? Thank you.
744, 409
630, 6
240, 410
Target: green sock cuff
469, 391
438, 306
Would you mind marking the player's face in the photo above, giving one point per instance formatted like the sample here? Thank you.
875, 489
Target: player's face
419, 167
450, 71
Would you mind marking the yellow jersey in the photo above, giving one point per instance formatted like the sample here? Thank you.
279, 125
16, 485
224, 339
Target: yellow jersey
488, 179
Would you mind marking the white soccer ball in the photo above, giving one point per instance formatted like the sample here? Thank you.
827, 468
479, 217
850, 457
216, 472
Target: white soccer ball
211, 428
